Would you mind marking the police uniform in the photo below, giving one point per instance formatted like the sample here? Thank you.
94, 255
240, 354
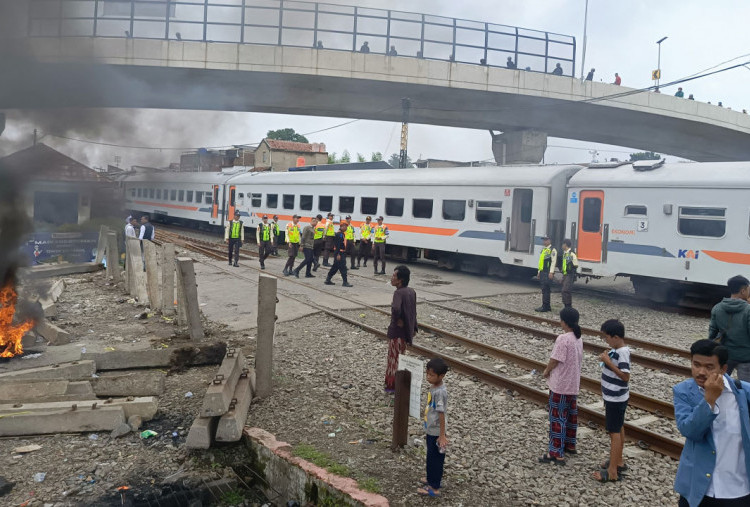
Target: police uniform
349, 235
339, 258
547, 262
329, 235
234, 234
569, 267
292, 237
275, 236
379, 232
264, 235
365, 241
318, 242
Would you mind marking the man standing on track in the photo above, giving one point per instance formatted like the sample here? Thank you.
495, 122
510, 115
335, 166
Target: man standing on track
308, 243
569, 267
546, 273
403, 324
378, 248
263, 236
339, 256
349, 235
730, 326
365, 241
330, 229
293, 238
234, 235
318, 240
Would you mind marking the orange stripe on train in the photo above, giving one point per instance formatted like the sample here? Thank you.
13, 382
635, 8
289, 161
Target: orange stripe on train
163, 205
417, 229
730, 257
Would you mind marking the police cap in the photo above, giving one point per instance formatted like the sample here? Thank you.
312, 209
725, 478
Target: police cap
265, 217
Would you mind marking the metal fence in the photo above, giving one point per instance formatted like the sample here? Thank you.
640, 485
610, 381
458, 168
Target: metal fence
307, 24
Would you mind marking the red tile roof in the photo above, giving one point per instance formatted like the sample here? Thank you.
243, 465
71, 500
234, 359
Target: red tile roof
276, 144
45, 163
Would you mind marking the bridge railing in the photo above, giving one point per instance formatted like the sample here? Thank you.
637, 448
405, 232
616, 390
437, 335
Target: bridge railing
307, 24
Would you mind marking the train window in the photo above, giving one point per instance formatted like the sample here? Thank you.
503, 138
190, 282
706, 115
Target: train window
706, 222
132, 192
272, 200
592, 214
181, 195
394, 207
369, 205
198, 196
189, 196
151, 193
325, 202
209, 198
421, 208
158, 193
489, 211
140, 192
173, 195
454, 209
346, 204
287, 200
305, 202
636, 210
255, 200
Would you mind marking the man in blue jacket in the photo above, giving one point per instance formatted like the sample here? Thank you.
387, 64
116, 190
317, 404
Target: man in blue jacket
712, 413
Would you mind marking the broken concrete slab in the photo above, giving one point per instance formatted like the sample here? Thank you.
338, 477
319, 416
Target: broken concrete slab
201, 434
56, 290
12, 390
233, 422
121, 430
23, 422
145, 407
61, 269
53, 334
210, 353
74, 370
221, 391
132, 384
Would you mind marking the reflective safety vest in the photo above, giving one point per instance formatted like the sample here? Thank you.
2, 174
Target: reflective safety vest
365, 231
569, 262
320, 230
292, 232
330, 231
380, 233
235, 230
265, 232
349, 234
545, 259
275, 226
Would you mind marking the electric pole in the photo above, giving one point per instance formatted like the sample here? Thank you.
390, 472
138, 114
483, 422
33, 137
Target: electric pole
402, 156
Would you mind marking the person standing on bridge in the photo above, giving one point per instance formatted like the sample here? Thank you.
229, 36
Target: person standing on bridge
711, 412
293, 239
330, 234
546, 273
380, 233
403, 324
263, 236
234, 235
392, 51
339, 256
365, 241
569, 267
510, 63
618, 80
558, 70
679, 93
365, 47
590, 75
730, 326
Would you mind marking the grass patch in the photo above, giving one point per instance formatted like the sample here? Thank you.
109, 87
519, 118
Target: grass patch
370, 484
311, 454
233, 497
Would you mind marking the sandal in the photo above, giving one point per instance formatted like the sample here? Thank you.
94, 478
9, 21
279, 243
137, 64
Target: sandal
423, 482
428, 491
549, 459
620, 470
604, 476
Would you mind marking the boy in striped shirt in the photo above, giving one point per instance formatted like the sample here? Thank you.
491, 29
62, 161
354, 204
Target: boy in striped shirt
615, 365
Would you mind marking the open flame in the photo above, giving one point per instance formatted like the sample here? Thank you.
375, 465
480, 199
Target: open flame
10, 334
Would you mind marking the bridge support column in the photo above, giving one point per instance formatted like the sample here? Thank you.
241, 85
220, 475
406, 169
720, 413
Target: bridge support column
519, 146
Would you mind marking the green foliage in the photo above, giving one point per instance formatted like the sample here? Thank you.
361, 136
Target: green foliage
361, 158
376, 156
644, 155
345, 157
332, 158
232, 497
287, 134
370, 484
311, 454
395, 158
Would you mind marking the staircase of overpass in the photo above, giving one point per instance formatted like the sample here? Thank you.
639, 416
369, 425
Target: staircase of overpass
308, 58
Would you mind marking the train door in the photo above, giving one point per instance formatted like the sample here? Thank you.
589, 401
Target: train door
232, 202
590, 216
215, 201
520, 227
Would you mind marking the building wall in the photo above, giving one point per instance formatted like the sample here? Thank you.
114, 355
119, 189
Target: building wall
85, 195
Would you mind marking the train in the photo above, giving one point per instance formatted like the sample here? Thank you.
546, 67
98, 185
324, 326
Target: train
675, 229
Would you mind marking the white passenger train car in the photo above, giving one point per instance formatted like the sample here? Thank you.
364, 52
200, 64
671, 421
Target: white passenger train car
480, 218
669, 227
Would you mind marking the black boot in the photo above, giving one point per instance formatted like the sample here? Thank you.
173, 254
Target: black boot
308, 275
236, 265
346, 284
329, 282
296, 273
543, 309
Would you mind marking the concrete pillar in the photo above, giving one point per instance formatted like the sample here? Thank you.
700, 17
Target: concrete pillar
126, 274
113, 257
519, 146
167, 278
190, 297
152, 274
136, 273
102, 244
266, 329
182, 319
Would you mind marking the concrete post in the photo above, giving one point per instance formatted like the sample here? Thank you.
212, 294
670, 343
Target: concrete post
401, 410
102, 244
266, 329
519, 147
167, 278
182, 319
137, 275
126, 275
190, 292
113, 257
152, 274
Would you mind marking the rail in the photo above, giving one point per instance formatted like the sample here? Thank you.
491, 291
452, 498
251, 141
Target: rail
307, 24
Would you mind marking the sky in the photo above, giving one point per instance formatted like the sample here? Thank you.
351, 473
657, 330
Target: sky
621, 37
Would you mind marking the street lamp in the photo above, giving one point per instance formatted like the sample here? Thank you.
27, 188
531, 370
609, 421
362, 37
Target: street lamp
658, 63
585, 24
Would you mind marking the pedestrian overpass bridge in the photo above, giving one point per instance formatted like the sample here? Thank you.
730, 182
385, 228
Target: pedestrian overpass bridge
58, 67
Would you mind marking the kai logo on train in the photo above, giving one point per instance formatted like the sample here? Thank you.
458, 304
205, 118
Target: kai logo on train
687, 254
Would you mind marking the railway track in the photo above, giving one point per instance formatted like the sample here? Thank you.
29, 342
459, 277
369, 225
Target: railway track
644, 437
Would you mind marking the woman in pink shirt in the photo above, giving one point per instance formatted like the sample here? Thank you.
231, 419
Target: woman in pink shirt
563, 374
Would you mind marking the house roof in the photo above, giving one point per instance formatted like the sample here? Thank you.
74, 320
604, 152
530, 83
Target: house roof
278, 145
45, 163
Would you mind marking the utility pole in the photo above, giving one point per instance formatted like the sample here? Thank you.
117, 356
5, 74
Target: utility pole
658, 62
585, 24
34, 138
402, 157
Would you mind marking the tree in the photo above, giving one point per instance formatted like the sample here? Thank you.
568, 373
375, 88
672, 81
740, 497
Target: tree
644, 155
361, 158
332, 158
395, 159
376, 156
286, 135
345, 157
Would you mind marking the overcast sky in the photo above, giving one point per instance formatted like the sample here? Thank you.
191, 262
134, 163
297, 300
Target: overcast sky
621, 38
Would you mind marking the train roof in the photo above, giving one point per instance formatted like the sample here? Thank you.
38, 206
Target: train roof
179, 177
521, 175
665, 175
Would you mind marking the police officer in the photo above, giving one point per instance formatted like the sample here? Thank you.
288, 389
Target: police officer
263, 235
307, 243
234, 235
349, 235
339, 253
569, 267
546, 273
330, 228
275, 235
292, 238
365, 241
318, 240
378, 248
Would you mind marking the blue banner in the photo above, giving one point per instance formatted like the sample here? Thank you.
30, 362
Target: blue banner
43, 247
